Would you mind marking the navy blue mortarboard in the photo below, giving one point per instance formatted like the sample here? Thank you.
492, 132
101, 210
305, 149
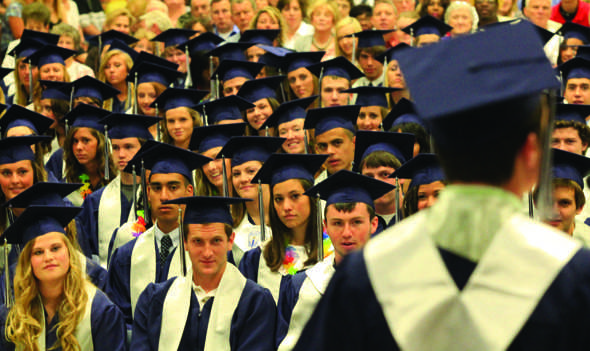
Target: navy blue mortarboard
224, 109
259, 36
583, 52
575, 68
174, 36
150, 72
422, 169
428, 25
54, 90
230, 51
178, 97
92, 87
289, 111
339, 67
163, 158
403, 112
121, 46
5, 71
369, 38
16, 149
212, 136
147, 57
18, 116
50, 54
86, 116
26, 48
273, 56
123, 125
569, 112
400, 145
510, 60
242, 149
328, 118
36, 221
348, 187
42, 37
108, 37
574, 30
371, 96
543, 33
282, 167
295, 60
230, 69
568, 165
254, 90
207, 209
392, 53
43, 194
204, 42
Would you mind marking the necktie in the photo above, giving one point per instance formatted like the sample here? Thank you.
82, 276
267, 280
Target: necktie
166, 244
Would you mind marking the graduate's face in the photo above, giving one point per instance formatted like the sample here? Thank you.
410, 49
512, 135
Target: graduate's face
146, 94
53, 72
301, 82
16, 178
207, 245
295, 134
382, 173
372, 68
332, 94
349, 231
242, 177
232, 86
395, 78
50, 258
291, 205
577, 91
116, 70
568, 139
214, 169
179, 124
564, 205
259, 114
344, 42
339, 146
84, 146
428, 194
163, 187
370, 118
569, 49
124, 150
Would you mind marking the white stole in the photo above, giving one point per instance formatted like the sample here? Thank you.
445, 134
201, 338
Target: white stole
267, 278
109, 217
177, 307
423, 306
247, 237
143, 265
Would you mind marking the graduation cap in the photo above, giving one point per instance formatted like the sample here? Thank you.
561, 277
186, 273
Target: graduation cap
348, 187
174, 36
400, 145
230, 69
43, 194
5, 71
339, 67
574, 30
207, 209
403, 112
273, 56
282, 167
230, 51
392, 53
16, 149
54, 90
18, 116
204, 42
510, 60
328, 118
568, 165
569, 112
575, 68
428, 25
262, 88
178, 97
107, 38
583, 52
223, 109
121, 46
42, 37
370, 38
295, 60
50, 54
212, 136
151, 72
422, 169
36, 221
87, 116
147, 57
259, 36
91, 87
289, 111
371, 96
26, 48
242, 149
123, 125
543, 33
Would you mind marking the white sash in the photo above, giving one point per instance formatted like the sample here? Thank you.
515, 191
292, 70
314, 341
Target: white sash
177, 305
143, 265
247, 237
76, 198
109, 217
267, 278
83, 330
311, 291
424, 308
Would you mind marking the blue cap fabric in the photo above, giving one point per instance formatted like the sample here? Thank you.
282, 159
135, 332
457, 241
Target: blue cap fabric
242, 149
207, 209
42, 37
50, 54
583, 52
178, 97
349, 187
108, 37
575, 68
174, 36
328, 118
289, 111
204, 42
567, 165
43, 194
295, 60
262, 88
339, 67
570, 112
230, 69
259, 36
428, 25
121, 46
148, 72
500, 64
147, 57
212, 136
230, 51
370, 38
5, 71
26, 48
422, 169
54, 90
574, 30
86, 116
371, 96
282, 167
18, 116
543, 33
403, 112
122, 125
15, 149
91, 87
224, 109
400, 145
36, 221
392, 53
273, 56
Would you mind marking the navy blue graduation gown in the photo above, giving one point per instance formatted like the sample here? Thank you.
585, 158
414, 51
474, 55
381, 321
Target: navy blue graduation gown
288, 297
252, 325
55, 164
249, 266
349, 316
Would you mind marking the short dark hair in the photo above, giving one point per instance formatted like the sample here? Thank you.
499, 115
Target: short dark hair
421, 135
372, 50
579, 196
348, 207
359, 10
378, 159
226, 227
583, 129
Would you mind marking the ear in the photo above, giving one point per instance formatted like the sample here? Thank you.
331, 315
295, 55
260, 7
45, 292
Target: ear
189, 189
579, 210
231, 241
374, 224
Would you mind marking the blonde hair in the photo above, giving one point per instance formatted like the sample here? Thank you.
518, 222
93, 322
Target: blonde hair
348, 21
108, 104
324, 4
112, 15
23, 326
21, 95
276, 15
